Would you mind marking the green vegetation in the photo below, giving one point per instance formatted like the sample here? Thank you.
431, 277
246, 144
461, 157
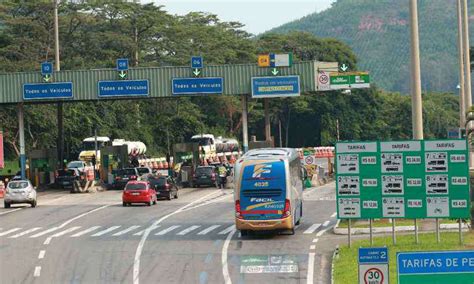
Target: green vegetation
345, 266
379, 34
376, 223
95, 35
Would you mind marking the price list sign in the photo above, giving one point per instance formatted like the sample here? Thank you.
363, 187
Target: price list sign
402, 179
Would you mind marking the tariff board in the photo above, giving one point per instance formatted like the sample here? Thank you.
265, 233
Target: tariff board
402, 179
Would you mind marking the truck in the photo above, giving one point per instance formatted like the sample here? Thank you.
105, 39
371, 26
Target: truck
135, 148
211, 146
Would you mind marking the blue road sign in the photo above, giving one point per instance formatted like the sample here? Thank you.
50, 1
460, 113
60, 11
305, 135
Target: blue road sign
122, 64
45, 91
373, 255
129, 88
273, 87
196, 62
46, 68
197, 86
434, 262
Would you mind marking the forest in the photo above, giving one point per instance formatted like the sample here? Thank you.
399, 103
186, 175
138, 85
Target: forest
95, 35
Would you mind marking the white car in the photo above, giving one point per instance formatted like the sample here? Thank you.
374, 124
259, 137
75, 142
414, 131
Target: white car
79, 165
20, 191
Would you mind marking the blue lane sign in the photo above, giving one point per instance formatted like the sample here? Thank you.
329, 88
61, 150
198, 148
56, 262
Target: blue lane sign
46, 68
129, 88
435, 262
40, 91
122, 64
273, 87
198, 86
373, 255
196, 62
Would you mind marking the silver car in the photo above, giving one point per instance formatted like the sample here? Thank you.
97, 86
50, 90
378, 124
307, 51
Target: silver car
20, 191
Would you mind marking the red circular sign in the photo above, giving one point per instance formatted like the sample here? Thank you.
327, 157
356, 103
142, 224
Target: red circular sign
323, 79
373, 276
309, 160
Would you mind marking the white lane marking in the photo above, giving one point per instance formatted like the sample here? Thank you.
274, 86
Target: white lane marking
69, 221
140, 233
62, 233
45, 232
325, 223
37, 272
312, 247
25, 232
10, 211
310, 275
225, 248
141, 244
41, 254
227, 230
81, 233
211, 228
123, 232
185, 231
311, 229
47, 241
165, 231
320, 233
9, 231
315, 240
103, 232
334, 215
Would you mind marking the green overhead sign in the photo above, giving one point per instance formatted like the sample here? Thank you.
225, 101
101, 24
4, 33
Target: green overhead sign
355, 80
402, 179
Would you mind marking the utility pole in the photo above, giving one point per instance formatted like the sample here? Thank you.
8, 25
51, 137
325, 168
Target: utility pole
268, 134
467, 60
462, 108
60, 142
416, 110
245, 131
337, 129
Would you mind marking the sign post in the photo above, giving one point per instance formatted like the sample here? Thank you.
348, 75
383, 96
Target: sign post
373, 265
402, 179
454, 267
2, 159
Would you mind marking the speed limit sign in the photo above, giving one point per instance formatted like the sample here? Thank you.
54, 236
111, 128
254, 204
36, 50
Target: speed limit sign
373, 265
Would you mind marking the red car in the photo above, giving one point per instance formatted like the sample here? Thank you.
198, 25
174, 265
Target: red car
138, 192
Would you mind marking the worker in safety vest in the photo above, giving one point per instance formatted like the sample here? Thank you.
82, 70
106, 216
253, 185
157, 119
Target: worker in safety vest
222, 171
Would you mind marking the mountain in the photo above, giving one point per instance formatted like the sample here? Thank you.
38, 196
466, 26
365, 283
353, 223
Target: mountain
379, 33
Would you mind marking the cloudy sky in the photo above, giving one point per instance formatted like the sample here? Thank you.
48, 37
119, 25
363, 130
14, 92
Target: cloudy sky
257, 15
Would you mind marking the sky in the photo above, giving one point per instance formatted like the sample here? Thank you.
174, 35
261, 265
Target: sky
257, 15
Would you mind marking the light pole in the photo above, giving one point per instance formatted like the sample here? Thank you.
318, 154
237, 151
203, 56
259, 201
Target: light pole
462, 109
60, 142
416, 110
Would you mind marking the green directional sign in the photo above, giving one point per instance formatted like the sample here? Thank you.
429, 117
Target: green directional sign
355, 80
402, 179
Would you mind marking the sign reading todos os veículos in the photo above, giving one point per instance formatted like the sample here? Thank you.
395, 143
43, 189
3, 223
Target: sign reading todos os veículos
402, 179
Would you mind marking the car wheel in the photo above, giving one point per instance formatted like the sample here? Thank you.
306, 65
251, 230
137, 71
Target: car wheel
169, 196
176, 195
150, 202
154, 201
124, 204
33, 204
7, 205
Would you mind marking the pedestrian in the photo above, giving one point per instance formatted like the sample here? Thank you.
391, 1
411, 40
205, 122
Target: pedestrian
222, 176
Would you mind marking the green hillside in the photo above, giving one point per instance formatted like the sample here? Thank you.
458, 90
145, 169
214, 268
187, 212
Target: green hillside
379, 33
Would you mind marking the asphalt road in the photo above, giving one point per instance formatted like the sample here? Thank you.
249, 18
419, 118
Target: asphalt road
91, 238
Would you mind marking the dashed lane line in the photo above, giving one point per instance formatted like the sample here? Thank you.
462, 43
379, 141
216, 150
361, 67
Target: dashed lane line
190, 229
9, 231
228, 230
165, 231
110, 229
211, 228
123, 232
41, 254
325, 224
81, 233
37, 272
62, 233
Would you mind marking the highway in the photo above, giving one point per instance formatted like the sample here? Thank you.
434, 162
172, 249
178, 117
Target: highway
91, 238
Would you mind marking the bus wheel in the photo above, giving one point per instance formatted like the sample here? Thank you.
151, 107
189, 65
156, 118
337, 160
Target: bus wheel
244, 233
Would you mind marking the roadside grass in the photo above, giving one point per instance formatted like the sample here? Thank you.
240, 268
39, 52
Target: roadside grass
346, 266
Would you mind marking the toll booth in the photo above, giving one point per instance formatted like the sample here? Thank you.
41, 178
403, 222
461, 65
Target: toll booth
42, 164
112, 158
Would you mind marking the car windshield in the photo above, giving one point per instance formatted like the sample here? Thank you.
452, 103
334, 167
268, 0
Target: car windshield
126, 172
135, 186
158, 181
204, 171
75, 165
142, 171
18, 184
66, 172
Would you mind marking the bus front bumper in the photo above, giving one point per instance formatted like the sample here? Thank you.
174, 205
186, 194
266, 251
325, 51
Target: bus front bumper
264, 225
